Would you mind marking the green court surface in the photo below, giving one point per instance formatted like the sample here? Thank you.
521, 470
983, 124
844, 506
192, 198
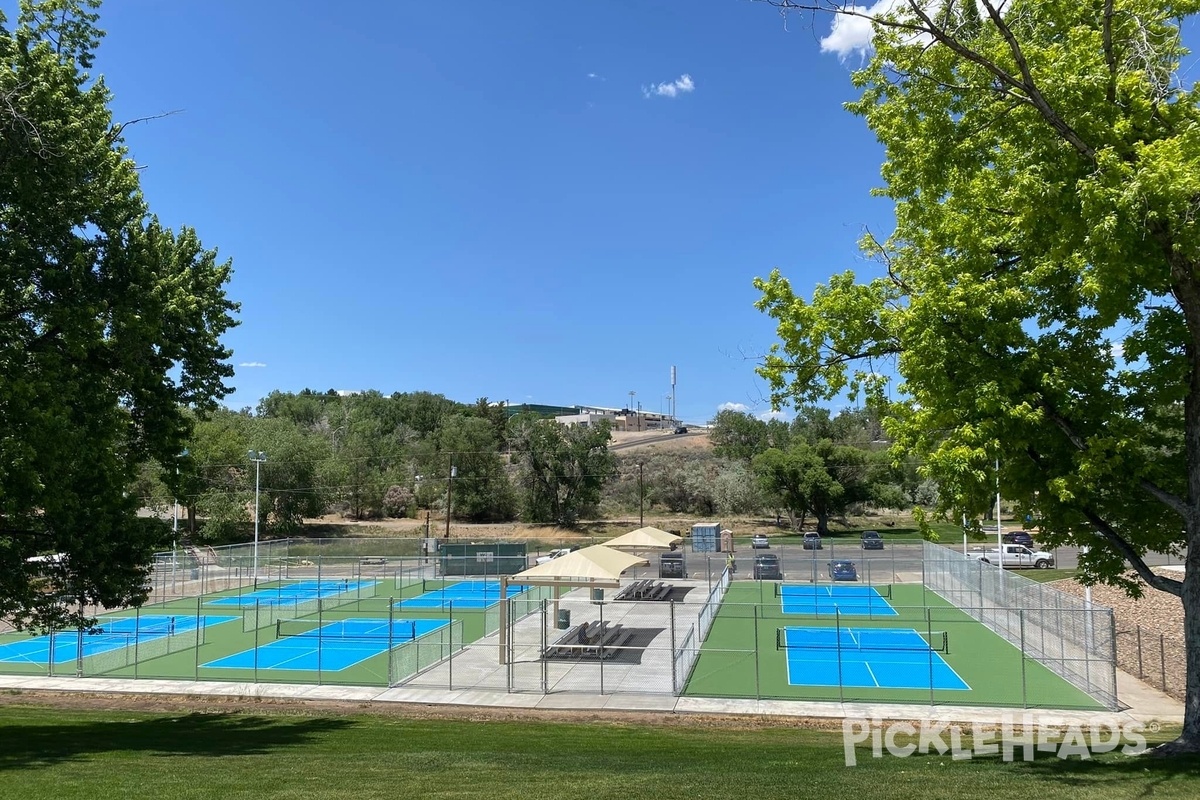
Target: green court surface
187, 659
740, 657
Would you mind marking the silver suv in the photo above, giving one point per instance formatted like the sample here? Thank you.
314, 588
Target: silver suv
812, 541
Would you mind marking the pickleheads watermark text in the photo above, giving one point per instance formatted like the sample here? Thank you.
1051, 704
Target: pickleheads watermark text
1015, 738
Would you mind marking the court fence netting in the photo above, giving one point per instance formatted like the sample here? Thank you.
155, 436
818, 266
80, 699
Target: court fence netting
717, 641
1070, 637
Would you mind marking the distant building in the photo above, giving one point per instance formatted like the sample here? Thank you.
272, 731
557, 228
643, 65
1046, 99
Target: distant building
544, 411
621, 419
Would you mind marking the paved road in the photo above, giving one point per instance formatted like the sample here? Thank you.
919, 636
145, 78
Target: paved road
665, 437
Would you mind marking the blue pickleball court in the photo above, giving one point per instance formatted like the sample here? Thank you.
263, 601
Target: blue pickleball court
885, 658
112, 633
331, 647
469, 595
291, 593
865, 601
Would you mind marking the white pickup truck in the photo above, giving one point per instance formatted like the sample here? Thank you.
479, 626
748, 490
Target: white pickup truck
553, 554
1017, 556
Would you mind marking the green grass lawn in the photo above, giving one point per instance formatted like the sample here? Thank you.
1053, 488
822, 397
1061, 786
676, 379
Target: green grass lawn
60, 754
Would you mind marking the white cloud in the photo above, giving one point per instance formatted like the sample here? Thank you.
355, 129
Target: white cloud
681, 85
252, 364
770, 415
596, 77
741, 408
851, 32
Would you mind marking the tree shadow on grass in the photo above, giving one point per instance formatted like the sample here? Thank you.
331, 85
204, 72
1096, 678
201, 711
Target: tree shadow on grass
33, 745
1142, 773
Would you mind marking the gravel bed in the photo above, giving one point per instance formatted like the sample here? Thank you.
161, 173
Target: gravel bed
1149, 632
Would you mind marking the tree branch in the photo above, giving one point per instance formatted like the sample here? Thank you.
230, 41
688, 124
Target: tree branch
1110, 58
1168, 585
1168, 499
930, 28
120, 127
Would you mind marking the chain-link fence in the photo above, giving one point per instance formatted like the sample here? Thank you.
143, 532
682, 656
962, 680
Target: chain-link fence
714, 632
1157, 658
1074, 639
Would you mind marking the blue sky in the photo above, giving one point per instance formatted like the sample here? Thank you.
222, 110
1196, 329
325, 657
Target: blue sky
530, 201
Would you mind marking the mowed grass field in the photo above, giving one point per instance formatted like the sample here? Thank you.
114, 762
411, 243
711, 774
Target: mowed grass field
64, 753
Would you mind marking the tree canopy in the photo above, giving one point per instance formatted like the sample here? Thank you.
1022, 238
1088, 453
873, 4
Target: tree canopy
110, 327
561, 468
1039, 297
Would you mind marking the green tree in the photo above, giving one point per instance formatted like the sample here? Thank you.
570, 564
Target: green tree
1040, 294
110, 327
737, 435
482, 491
736, 491
288, 489
423, 411
561, 469
212, 477
789, 478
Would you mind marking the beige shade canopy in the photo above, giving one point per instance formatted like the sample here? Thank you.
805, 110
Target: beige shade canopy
646, 539
591, 565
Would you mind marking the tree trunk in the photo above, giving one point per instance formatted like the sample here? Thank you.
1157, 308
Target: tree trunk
1189, 737
823, 523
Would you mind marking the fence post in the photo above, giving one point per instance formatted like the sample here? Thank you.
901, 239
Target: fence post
600, 649
1141, 670
544, 640
256, 641
450, 663
674, 666
391, 640
757, 684
1162, 655
837, 635
1024, 688
929, 634
199, 622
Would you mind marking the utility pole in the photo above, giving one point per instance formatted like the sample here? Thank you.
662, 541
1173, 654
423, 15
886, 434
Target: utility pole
641, 499
450, 494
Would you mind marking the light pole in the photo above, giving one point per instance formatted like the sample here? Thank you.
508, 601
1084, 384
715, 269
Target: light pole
449, 496
999, 530
258, 457
175, 522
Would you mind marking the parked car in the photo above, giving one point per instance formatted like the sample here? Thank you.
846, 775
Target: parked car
760, 542
681, 429
766, 568
1018, 537
812, 541
843, 571
871, 540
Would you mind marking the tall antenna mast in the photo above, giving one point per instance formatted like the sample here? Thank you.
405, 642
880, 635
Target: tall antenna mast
673, 418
